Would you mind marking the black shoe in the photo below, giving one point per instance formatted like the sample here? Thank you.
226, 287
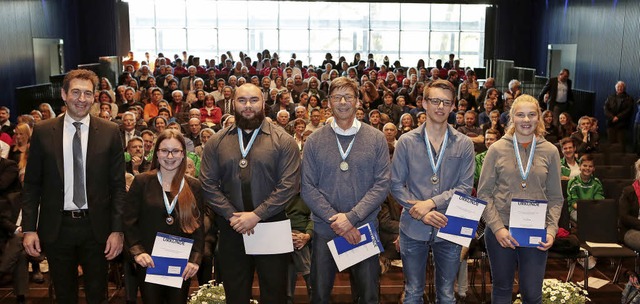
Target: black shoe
37, 277
21, 299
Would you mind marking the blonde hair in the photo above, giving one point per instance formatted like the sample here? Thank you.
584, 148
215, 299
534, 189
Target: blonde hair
637, 166
511, 128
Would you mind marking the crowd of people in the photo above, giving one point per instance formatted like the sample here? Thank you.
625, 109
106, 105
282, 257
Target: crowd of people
208, 151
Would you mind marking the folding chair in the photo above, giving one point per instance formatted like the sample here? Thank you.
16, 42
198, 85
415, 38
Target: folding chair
621, 159
620, 172
564, 222
598, 222
599, 159
613, 187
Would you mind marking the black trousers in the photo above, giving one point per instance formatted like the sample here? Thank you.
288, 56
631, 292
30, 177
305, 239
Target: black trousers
237, 268
159, 294
76, 245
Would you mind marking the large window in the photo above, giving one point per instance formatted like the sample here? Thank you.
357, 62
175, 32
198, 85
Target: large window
405, 32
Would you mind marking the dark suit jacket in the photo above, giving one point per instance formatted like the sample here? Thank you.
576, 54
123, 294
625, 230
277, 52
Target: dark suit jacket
44, 179
145, 215
9, 197
123, 137
9, 181
552, 88
8, 129
628, 210
144, 166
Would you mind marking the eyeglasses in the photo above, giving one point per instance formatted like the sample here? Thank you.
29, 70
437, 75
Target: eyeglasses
437, 101
338, 98
77, 93
165, 153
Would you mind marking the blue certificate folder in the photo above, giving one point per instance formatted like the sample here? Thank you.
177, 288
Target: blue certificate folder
526, 237
527, 221
456, 225
163, 265
370, 234
166, 265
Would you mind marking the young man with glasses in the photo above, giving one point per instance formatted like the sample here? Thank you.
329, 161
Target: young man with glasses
429, 164
345, 179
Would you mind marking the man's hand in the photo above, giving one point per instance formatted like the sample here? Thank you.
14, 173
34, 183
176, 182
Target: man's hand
615, 119
31, 243
435, 219
136, 161
144, 260
353, 236
190, 271
397, 243
340, 224
244, 222
114, 245
548, 244
505, 239
420, 208
300, 240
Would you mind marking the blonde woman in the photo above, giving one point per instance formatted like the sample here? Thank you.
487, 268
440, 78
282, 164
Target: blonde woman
521, 165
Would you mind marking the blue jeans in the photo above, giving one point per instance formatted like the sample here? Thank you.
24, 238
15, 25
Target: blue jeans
414, 265
366, 275
531, 263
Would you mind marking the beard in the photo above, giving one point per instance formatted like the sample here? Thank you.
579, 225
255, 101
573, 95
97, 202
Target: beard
249, 123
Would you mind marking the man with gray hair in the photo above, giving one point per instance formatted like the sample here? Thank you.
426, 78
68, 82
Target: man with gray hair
180, 108
187, 83
618, 109
390, 131
128, 127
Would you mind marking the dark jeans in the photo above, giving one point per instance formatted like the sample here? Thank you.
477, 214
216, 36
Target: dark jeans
414, 261
76, 245
237, 268
366, 274
529, 261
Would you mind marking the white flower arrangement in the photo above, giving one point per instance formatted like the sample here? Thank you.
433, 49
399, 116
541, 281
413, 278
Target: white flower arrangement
556, 291
211, 293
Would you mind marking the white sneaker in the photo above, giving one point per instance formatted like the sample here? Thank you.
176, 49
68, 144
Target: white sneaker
591, 263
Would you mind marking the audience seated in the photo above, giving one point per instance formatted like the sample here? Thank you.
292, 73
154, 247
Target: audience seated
585, 186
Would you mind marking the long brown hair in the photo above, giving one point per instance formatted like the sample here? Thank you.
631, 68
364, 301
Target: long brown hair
187, 209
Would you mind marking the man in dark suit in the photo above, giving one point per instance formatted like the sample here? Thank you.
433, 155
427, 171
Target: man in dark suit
74, 193
128, 127
560, 95
5, 125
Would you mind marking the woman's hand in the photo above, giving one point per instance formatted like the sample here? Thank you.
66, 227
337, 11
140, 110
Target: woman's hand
505, 239
545, 246
190, 271
144, 260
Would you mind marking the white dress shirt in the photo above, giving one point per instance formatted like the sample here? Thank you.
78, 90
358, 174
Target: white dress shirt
355, 127
69, 131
